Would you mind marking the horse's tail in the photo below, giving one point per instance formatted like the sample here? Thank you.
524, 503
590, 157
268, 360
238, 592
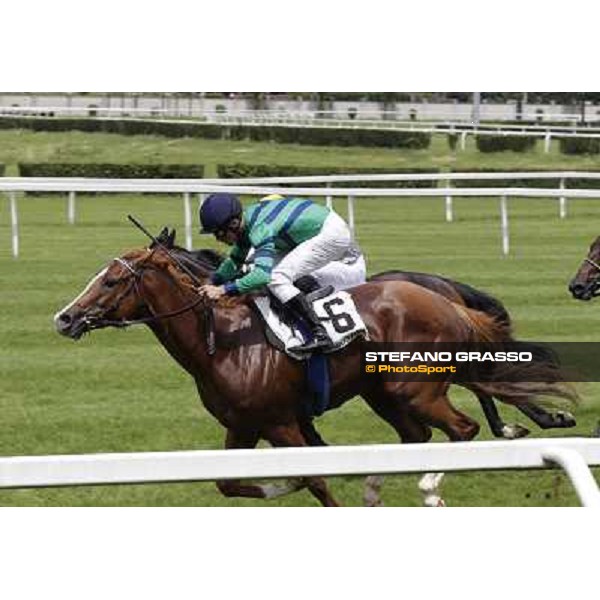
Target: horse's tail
482, 301
509, 382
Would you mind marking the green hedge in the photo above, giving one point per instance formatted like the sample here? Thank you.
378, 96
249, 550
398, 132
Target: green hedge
284, 135
2, 170
245, 171
504, 143
122, 127
529, 122
345, 137
584, 184
515, 183
518, 183
111, 171
572, 145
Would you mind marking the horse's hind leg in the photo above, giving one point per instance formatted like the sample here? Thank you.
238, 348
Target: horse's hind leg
396, 412
546, 420
499, 428
433, 406
237, 440
286, 436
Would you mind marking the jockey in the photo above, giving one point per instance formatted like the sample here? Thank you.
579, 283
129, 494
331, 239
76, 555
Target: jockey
290, 238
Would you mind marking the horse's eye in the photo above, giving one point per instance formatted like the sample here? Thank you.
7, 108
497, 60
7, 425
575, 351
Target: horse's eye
110, 283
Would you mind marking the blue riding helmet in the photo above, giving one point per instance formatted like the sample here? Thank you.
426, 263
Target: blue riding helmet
218, 210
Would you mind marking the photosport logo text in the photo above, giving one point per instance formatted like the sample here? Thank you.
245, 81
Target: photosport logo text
421, 362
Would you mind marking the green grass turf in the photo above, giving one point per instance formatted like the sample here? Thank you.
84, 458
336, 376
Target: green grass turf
119, 391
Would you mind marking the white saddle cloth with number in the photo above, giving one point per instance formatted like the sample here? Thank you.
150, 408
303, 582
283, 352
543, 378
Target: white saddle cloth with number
337, 313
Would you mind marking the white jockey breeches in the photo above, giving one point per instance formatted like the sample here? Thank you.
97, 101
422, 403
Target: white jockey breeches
333, 243
344, 274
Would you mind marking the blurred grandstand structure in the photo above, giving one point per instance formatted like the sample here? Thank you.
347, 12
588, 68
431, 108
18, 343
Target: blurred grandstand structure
538, 107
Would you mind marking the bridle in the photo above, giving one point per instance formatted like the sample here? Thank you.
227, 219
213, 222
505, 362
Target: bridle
596, 281
135, 276
593, 263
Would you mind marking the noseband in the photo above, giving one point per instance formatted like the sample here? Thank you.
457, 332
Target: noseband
593, 263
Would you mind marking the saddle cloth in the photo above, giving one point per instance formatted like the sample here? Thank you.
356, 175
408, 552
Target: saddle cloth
337, 312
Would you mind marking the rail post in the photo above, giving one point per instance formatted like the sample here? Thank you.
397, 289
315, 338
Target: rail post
351, 219
563, 200
579, 473
449, 204
505, 225
71, 208
14, 220
187, 209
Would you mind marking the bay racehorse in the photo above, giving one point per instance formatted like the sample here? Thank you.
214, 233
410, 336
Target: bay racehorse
470, 297
257, 392
586, 284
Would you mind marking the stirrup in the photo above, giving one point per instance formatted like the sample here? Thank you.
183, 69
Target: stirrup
316, 344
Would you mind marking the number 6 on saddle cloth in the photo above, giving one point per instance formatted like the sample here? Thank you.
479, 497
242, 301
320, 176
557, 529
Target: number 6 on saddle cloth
341, 320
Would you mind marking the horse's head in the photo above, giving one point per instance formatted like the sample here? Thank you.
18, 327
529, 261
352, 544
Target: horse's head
119, 293
586, 284
112, 295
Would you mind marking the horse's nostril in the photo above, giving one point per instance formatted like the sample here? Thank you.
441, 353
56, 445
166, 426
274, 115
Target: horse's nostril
577, 289
65, 319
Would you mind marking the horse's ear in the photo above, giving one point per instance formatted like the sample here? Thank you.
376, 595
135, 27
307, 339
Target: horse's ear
165, 238
161, 238
171, 238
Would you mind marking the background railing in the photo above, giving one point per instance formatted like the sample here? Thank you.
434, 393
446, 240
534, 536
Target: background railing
329, 120
262, 187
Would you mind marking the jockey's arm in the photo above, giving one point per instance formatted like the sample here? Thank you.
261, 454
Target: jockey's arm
231, 266
263, 240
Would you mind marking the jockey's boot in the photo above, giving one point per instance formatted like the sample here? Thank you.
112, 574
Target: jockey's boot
301, 308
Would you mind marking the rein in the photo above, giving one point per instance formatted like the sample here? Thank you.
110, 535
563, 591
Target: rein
123, 324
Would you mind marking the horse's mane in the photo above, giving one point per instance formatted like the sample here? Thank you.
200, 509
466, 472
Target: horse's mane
201, 262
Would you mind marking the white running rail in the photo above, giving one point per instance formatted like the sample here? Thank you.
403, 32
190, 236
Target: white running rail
574, 455
262, 187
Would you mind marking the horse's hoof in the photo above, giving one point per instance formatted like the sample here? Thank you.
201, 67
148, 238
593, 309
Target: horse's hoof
434, 502
374, 504
514, 432
565, 420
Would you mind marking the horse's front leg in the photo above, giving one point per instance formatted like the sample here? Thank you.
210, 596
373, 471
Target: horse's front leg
287, 436
247, 440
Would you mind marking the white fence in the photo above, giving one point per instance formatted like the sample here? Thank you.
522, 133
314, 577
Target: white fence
262, 187
573, 455
546, 132
324, 119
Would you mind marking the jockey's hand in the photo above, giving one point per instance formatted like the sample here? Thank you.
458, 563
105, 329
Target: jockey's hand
211, 292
